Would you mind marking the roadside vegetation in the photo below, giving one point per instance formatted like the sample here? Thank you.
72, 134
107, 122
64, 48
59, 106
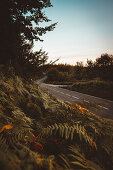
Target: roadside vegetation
103, 89
38, 131
94, 78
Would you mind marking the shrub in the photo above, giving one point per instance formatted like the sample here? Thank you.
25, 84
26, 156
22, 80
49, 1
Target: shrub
54, 75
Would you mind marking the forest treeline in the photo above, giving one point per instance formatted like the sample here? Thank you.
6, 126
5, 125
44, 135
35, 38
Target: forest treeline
101, 69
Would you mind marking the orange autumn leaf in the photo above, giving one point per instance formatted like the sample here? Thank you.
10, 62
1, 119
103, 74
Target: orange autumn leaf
98, 117
5, 127
91, 143
32, 134
37, 146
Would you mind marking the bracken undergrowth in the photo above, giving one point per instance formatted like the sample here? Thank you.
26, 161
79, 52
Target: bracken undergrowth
38, 131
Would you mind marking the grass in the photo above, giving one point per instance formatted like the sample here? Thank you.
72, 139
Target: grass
103, 89
38, 131
59, 82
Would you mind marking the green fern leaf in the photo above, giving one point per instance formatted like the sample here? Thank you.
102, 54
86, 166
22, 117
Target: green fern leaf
79, 164
62, 156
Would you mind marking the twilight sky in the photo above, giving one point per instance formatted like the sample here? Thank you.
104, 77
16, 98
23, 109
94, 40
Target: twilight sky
84, 30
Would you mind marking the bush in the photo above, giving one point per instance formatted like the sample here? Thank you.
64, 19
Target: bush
54, 75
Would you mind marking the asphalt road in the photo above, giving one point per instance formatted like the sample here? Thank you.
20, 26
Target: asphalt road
99, 106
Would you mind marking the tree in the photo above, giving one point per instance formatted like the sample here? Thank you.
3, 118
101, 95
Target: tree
20, 27
53, 74
90, 63
79, 71
104, 60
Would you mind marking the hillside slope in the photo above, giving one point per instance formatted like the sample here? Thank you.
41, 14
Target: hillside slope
38, 131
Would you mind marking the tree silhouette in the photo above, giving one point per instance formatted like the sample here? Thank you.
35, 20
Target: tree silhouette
20, 27
104, 60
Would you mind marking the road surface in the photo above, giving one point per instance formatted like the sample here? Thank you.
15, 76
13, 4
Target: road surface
99, 106
42, 79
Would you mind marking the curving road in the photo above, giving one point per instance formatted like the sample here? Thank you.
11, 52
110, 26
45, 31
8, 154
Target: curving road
99, 106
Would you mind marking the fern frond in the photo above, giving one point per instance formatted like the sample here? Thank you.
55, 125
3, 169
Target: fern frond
65, 162
68, 132
12, 139
79, 164
108, 149
3, 145
75, 151
73, 159
76, 158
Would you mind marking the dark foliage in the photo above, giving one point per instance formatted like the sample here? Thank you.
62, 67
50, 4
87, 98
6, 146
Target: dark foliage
19, 28
54, 75
101, 69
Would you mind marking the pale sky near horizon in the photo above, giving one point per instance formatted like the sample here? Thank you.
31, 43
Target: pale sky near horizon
84, 30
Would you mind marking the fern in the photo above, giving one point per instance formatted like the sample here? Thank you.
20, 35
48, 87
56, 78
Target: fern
3, 144
13, 138
74, 159
68, 132
64, 161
